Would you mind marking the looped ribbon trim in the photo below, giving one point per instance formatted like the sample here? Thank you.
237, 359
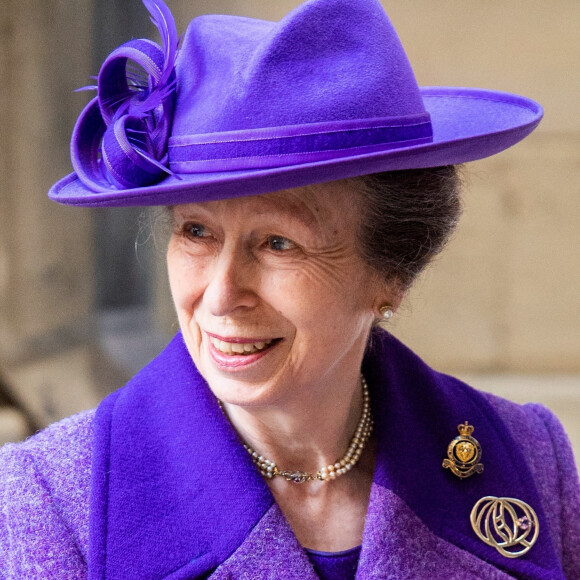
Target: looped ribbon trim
120, 139
295, 144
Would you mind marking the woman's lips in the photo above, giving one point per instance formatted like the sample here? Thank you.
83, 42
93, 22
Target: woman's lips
239, 352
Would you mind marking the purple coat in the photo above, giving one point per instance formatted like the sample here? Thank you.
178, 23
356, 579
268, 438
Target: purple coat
155, 484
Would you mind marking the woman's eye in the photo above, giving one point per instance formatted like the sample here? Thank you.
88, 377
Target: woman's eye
280, 244
195, 231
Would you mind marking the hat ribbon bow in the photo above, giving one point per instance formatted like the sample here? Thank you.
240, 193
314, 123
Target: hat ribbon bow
120, 139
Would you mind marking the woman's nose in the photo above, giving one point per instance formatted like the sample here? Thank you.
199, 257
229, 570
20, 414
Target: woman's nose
232, 283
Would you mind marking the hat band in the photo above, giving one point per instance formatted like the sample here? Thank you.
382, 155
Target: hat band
295, 144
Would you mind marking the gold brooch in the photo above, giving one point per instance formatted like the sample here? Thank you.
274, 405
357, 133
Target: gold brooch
506, 524
464, 453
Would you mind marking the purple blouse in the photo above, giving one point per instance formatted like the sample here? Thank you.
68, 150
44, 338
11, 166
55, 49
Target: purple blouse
335, 565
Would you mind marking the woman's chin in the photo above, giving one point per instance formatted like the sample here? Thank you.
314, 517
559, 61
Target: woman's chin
233, 390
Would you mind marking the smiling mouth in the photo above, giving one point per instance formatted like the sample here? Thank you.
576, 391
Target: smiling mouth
241, 348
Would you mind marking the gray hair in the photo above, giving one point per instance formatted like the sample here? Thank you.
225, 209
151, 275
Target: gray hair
407, 217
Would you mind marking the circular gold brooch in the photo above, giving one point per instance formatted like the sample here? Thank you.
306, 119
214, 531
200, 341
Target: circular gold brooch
464, 453
510, 525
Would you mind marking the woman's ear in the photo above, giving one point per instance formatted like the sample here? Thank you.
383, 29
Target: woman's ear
386, 311
388, 302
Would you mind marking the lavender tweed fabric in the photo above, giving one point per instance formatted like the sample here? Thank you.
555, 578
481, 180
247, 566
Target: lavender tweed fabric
235, 530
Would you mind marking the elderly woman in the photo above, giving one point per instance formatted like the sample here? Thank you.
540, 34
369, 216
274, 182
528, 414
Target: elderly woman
282, 433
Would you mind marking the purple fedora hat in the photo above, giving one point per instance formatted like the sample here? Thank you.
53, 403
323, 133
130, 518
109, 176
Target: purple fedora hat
245, 106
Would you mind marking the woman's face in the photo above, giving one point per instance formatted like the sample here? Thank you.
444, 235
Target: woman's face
271, 295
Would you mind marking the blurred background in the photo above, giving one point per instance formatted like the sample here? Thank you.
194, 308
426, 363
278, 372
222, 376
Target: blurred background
84, 301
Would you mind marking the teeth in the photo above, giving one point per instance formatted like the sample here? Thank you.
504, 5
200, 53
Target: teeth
232, 348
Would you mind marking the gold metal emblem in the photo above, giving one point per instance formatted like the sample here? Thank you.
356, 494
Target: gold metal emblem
464, 453
509, 525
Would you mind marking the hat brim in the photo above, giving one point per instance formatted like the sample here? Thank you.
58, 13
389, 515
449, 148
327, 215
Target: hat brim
468, 124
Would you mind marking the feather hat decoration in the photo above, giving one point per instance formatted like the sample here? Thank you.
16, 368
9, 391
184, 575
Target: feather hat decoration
120, 139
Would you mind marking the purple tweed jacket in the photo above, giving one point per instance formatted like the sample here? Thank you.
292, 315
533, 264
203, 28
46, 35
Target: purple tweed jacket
155, 484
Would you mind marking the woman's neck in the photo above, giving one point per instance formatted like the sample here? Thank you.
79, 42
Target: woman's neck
304, 434
307, 434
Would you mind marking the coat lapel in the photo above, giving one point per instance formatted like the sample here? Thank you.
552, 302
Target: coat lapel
417, 412
173, 493
396, 540
270, 552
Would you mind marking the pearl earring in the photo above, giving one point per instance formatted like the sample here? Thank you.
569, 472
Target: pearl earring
386, 311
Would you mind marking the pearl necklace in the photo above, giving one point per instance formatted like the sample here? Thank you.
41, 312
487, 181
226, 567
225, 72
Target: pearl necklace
360, 438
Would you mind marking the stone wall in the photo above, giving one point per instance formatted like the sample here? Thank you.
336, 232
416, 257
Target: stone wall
45, 250
503, 297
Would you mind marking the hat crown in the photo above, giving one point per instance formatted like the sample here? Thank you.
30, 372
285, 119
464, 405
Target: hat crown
250, 106
327, 60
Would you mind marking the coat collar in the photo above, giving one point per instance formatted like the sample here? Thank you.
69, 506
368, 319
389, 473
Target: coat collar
171, 486
175, 495
419, 411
